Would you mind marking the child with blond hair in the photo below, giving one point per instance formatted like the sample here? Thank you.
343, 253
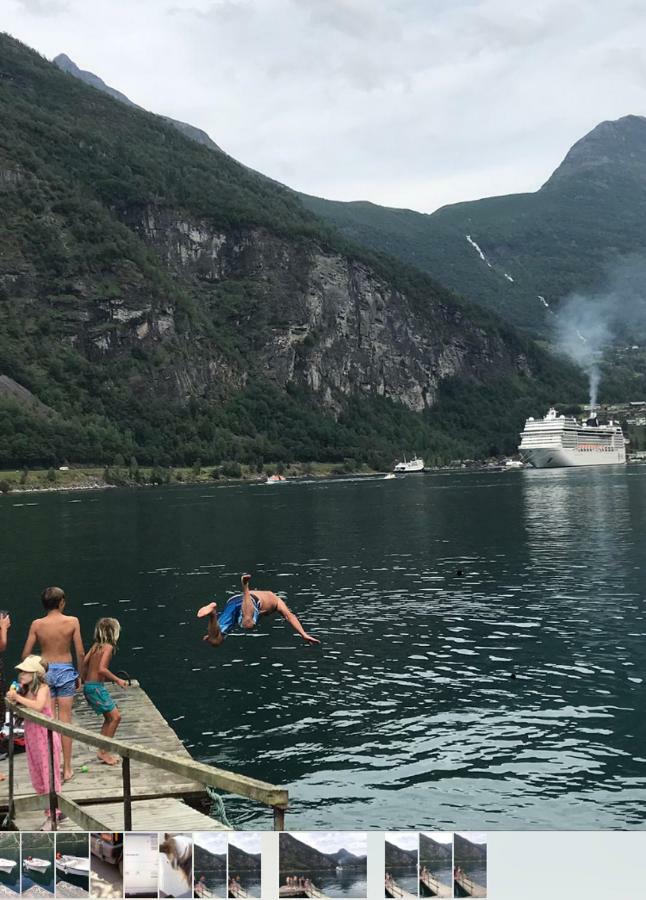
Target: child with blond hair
96, 673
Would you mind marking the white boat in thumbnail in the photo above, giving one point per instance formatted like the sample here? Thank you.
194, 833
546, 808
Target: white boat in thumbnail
557, 440
38, 865
6, 865
73, 865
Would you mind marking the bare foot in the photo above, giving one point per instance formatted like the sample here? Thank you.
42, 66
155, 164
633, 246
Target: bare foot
206, 610
105, 757
67, 776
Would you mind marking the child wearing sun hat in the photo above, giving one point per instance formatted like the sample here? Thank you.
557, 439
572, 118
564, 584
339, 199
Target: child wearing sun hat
34, 694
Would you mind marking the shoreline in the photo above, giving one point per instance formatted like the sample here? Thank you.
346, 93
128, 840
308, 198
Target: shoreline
78, 480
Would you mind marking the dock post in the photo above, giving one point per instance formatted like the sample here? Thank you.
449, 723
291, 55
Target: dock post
279, 818
53, 799
10, 808
127, 795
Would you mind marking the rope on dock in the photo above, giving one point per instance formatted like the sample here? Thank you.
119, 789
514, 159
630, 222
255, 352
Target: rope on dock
217, 810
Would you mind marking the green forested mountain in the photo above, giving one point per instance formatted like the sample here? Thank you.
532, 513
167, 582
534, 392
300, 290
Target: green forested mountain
65, 64
395, 856
241, 861
158, 299
433, 853
523, 253
465, 850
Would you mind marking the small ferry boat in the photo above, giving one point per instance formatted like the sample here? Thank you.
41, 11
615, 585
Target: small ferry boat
33, 862
275, 479
416, 464
73, 865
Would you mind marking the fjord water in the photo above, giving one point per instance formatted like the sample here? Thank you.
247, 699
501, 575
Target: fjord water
407, 715
406, 877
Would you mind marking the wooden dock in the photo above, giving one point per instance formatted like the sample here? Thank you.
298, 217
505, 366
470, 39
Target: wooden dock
392, 889
466, 887
434, 887
293, 891
94, 799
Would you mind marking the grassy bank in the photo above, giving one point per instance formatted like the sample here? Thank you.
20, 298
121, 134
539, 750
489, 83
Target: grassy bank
97, 477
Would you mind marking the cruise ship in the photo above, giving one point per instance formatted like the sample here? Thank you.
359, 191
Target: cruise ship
555, 441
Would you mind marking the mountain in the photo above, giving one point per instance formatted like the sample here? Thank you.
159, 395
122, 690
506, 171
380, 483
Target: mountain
159, 300
209, 863
65, 64
297, 856
396, 857
344, 858
433, 852
241, 861
464, 850
521, 254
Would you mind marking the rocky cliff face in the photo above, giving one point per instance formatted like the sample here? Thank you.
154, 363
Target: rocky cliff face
167, 303
333, 324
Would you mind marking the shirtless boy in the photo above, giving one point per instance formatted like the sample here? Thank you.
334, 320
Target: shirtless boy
245, 609
55, 634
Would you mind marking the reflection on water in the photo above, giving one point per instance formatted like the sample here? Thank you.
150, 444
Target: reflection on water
407, 716
9, 875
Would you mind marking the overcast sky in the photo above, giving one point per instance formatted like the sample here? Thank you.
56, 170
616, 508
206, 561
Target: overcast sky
212, 841
412, 103
249, 841
442, 837
405, 840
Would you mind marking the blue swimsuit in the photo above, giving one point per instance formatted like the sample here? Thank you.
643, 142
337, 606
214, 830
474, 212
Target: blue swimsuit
231, 615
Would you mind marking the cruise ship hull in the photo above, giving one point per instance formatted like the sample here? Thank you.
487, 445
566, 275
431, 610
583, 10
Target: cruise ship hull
558, 457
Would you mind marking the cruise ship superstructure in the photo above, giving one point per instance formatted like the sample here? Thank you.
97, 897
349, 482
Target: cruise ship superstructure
557, 440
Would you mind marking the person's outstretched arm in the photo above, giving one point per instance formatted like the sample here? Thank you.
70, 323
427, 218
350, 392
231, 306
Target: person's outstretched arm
289, 616
104, 672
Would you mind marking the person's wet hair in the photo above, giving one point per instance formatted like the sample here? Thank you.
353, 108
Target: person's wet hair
52, 597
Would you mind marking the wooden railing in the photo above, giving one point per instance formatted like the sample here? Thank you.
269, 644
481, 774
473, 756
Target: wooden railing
209, 776
469, 886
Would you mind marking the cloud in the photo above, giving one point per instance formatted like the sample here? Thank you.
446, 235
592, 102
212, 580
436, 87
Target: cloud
401, 102
211, 841
405, 840
44, 7
249, 841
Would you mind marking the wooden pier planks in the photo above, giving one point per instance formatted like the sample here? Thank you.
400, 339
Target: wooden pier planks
437, 888
469, 887
163, 814
143, 724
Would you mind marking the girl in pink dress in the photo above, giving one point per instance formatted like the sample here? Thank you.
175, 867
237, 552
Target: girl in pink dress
34, 694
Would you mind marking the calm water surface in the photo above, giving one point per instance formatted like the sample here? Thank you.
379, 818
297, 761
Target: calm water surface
407, 716
406, 877
347, 883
